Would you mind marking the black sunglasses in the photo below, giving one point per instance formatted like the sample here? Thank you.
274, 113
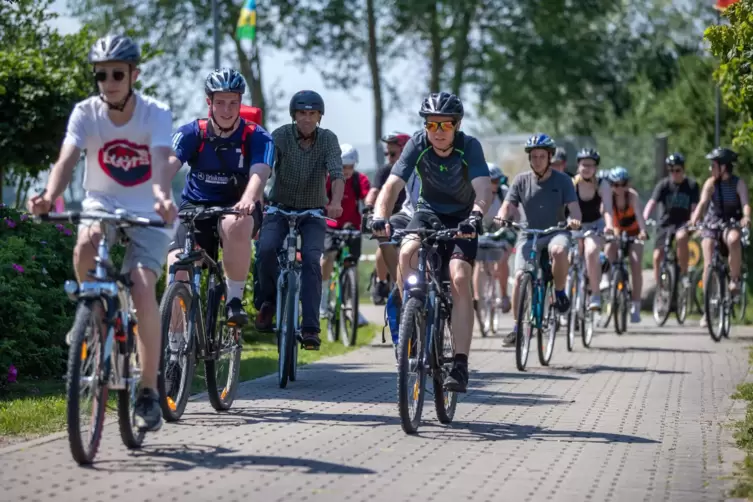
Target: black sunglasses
620, 184
101, 76
391, 154
676, 170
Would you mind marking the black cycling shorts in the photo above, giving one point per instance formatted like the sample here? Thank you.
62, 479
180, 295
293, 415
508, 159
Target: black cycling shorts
462, 249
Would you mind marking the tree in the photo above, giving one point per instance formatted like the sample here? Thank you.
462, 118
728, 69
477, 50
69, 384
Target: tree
733, 45
42, 75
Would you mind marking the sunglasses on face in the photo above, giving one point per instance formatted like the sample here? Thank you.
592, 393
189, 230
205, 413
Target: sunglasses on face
101, 75
619, 185
444, 126
391, 154
676, 170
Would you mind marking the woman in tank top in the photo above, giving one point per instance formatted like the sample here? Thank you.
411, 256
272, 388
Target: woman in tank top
726, 197
628, 217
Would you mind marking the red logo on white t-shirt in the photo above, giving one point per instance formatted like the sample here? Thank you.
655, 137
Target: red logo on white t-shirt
127, 163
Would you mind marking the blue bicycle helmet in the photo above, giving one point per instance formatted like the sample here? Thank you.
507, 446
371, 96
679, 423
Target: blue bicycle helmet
540, 141
619, 175
495, 172
224, 80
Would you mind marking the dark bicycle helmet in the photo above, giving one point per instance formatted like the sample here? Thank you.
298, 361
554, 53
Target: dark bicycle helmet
306, 100
224, 80
443, 104
676, 159
115, 48
560, 155
723, 156
540, 141
589, 153
398, 138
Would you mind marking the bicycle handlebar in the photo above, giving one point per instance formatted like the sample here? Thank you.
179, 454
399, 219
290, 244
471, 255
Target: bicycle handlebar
344, 232
120, 217
198, 213
314, 213
534, 231
447, 234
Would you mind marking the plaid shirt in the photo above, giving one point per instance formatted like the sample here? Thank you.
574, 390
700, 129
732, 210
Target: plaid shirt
301, 174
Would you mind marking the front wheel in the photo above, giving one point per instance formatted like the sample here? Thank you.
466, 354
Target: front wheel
572, 315
548, 329
222, 370
178, 358
684, 300
445, 401
713, 295
348, 318
411, 376
130, 434
663, 294
88, 377
334, 310
525, 323
620, 302
287, 336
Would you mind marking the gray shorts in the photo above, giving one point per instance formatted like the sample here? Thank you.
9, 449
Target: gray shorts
147, 246
490, 250
523, 247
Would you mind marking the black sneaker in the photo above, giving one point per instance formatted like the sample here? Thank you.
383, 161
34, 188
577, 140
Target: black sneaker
148, 414
235, 314
457, 380
562, 303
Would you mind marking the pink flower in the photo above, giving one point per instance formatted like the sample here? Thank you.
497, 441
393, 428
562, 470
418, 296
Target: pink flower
12, 374
18, 268
10, 223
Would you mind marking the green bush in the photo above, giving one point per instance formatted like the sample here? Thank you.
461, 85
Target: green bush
35, 314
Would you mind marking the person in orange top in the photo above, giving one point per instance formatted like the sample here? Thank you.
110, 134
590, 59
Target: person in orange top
628, 217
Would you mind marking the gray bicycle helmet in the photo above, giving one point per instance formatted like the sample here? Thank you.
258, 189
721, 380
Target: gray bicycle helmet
115, 48
224, 80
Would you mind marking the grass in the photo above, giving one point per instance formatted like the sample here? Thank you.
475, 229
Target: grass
35, 407
744, 440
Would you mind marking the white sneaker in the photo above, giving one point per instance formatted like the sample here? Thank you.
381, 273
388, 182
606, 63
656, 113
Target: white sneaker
604, 284
704, 322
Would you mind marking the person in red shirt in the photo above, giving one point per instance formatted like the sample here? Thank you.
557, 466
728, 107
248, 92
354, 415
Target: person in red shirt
357, 186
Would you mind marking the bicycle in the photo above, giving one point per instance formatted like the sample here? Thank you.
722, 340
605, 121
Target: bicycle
621, 292
717, 299
208, 336
342, 310
489, 305
670, 290
287, 322
580, 317
104, 305
536, 301
426, 346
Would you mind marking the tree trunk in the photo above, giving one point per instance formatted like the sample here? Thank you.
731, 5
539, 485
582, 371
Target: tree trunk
435, 34
376, 80
462, 45
250, 66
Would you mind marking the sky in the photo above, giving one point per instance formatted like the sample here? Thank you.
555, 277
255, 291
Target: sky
349, 114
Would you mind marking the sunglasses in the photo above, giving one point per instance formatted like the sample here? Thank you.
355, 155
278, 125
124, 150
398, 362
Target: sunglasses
444, 126
391, 154
101, 76
676, 170
619, 185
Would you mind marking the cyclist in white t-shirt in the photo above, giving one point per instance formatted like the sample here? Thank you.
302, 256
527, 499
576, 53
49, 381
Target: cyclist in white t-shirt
127, 139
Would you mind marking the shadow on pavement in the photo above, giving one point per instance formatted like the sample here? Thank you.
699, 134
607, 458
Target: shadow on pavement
525, 375
621, 350
601, 368
492, 431
186, 457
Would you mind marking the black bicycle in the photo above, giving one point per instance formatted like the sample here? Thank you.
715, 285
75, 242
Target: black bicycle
194, 326
672, 294
103, 353
287, 327
426, 345
621, 292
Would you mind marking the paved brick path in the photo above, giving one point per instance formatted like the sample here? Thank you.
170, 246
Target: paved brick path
635, 418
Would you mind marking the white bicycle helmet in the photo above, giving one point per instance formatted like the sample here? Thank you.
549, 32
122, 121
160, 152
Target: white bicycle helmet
349, 155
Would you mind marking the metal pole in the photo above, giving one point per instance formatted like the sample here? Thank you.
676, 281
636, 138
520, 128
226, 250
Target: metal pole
216, 33
717, 124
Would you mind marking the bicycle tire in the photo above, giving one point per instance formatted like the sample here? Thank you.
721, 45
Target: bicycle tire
666, 285
572, 316
412, 339
495, 321
333, 308
349, 293
605, 315
697, 290
83, 452
224, 336
131, 436
486, 298
549, 323
739, 310
619, 304
445, 401
174, 406
587, 328
287, 334
683, 302
523, 340
713, 276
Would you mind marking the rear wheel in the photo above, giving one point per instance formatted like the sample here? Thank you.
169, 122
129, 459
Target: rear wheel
714, 303
88, 377
178, 356
663, 294
411, 376
525, 322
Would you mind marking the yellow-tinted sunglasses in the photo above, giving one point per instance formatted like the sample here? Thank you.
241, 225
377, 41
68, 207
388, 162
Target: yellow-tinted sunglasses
435, 126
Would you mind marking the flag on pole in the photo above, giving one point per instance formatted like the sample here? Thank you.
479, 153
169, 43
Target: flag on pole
723, 4
246, 28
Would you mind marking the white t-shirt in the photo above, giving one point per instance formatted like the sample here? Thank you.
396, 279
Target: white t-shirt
118, 166
413, 189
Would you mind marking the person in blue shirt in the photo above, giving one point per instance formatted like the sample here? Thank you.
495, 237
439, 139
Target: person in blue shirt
230, 161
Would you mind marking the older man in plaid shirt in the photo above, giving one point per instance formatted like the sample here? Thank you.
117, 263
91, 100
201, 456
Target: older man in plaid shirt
306, 153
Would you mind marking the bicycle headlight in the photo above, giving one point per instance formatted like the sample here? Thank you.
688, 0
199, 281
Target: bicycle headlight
412, 280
